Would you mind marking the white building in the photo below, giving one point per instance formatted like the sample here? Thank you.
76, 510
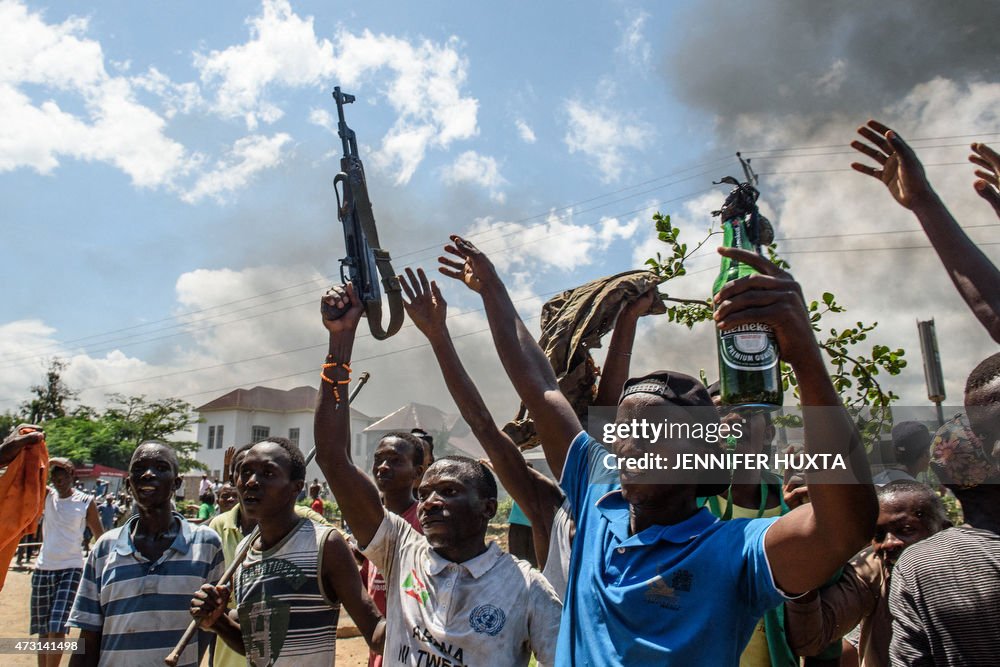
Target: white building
252, 415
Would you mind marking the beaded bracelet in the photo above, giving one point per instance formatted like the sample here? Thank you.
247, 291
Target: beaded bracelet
322, 374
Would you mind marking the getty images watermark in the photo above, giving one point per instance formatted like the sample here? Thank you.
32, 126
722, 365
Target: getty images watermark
666, 431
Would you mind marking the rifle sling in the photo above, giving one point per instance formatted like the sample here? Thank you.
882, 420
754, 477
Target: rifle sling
390, 283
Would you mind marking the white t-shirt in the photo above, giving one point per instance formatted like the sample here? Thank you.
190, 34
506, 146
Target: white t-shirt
62, 531
556, 568
490, 611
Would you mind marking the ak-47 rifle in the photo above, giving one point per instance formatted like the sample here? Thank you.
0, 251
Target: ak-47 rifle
365, 261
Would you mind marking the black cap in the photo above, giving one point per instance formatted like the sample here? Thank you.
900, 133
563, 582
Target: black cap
910, 439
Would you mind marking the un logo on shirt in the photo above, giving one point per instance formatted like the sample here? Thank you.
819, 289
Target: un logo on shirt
487, 619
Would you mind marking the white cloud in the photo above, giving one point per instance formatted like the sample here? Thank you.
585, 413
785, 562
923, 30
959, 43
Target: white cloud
833, 79
423, 83
524, 131
248, 156
612, 228
323, 118
634, 45
603, 135
482, 170
115, 129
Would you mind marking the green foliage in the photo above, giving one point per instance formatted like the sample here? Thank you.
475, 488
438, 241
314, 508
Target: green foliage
503, 511
85, 435
854, 372
51, 399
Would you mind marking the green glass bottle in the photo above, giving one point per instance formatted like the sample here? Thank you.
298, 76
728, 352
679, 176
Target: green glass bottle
749, 372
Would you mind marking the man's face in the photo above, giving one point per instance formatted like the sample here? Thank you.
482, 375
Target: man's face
450, 510
649, 489
227, 498
393, 467
265, 485
902, 521
61, 479
152, 476
983, 408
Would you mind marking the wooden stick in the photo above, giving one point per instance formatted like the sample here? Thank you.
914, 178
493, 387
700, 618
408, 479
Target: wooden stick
174, 657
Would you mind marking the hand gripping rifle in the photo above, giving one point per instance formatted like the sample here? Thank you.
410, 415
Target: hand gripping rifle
365, 261
175, 655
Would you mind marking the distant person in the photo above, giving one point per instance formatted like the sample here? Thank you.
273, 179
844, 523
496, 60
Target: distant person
132, 607
227, 499
207, 508
911, 443
205, 486
945, 592
54, 582
109, 512
428, 440
317, 503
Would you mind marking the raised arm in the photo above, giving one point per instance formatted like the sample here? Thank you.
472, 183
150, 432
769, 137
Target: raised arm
356, 494
94, 521
618, 361
807, 545
538, 496
526, 365
974, 275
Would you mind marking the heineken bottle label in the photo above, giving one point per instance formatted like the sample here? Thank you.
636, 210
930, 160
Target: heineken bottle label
750, 347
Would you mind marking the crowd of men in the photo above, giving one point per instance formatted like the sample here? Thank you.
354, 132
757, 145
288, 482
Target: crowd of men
829, 569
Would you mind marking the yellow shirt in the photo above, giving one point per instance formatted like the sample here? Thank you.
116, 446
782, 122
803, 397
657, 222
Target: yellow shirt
756, 653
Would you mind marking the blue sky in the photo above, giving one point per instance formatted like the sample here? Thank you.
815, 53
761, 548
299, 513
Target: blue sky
164, 162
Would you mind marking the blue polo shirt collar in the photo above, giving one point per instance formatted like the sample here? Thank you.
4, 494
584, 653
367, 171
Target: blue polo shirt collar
124, 545
615, 509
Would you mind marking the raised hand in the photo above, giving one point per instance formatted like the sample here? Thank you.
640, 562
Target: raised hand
899, 168
772, 297
424, 304
988, 184
636, 309
341, 296
468, 264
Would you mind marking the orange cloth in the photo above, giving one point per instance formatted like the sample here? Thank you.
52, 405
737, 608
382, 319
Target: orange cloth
22, 496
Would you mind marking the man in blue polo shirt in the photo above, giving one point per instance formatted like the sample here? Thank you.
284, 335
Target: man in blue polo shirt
132, 607
653, 578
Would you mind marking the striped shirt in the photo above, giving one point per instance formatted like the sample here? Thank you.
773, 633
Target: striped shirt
140, 607
286, 616
945, 600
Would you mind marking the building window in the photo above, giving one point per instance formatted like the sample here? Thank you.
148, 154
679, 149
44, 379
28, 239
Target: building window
211, 437
218, 437
293, 435
258, 433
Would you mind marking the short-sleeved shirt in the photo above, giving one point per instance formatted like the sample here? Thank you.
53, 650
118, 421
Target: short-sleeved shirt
374, 582
517, 516
490, 610
227, 525
556, 568
690, 593
945, 600
65, 520
107, 513
141, 607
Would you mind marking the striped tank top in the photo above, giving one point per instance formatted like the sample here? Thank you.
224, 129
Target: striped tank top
285, 615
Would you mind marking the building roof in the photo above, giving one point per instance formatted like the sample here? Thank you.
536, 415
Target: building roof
416, 415
300, 399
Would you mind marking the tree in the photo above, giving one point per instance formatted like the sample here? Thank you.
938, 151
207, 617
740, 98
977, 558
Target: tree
853, 371
52, 398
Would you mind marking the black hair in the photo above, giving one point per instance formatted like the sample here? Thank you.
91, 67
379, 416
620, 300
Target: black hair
207, 497
480, 476
416, 445
986, 372
171, 458
298, 468
426, 437
925, 494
